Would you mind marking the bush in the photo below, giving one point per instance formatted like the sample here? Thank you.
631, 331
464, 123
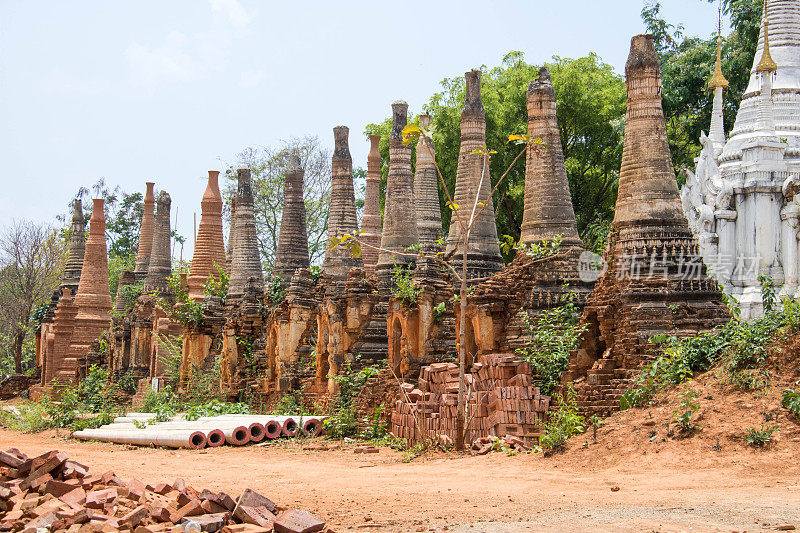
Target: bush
554, 334
683, 417
342, 421
404, 287
562, 423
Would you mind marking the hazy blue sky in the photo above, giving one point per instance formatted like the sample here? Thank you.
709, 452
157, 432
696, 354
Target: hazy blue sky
166, 90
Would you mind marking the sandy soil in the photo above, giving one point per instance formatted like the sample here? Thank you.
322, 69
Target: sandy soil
676, 486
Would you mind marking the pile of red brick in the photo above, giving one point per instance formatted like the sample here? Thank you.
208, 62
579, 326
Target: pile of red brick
501, 401
55, 493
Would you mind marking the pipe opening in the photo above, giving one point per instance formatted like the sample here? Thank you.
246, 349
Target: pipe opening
256, 432
215, 438
272, 429
312, 427
198, 440
240, 435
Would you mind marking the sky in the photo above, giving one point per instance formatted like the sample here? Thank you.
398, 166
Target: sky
164, 91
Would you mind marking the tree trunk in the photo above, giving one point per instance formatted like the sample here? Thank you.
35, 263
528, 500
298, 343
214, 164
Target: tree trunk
462, 347
19, 340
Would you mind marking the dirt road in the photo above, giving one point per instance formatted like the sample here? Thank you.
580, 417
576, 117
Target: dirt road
672, 490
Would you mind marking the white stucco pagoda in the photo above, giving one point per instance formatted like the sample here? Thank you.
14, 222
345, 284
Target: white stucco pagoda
741, 200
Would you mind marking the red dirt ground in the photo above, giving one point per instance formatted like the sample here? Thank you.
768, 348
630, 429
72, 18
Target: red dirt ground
671, 486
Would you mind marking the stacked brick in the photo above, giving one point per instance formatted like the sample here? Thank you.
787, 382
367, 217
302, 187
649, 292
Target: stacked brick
292, 250
53, 493
483, 254
371, 218
399, 224
160, 260
209, 248
500, 396
146, 234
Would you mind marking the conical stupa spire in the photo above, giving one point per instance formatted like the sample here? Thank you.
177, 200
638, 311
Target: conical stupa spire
246, 263
160, 267
648, 192
483, 254
146, 234
548, 206
209, 248
717, 83
371, 225
426, 189
77, 245
342, 219
94, 296
231, 235
399, 224
292, 251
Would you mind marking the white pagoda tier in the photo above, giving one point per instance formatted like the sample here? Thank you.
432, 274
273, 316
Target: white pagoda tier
741, 200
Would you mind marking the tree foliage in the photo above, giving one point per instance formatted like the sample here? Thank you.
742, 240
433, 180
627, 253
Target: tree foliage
31, 256
687, 63
267, 166
591, 104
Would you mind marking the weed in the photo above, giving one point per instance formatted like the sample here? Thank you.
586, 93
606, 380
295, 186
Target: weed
684, 416
790, 399
759, 438
404, 287
563, 423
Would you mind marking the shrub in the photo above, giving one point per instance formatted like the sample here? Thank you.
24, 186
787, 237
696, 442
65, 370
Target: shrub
554, 334
217, 285
563, 423
404, 287
684, 416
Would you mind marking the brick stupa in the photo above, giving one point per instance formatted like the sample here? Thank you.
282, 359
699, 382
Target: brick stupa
371, 224
292, 250
548, 207
71, 276
483, 253
399, 222
146, 234
656, 282
209, 248
231, 235
426, 189
246, 270
92, 302
160, 262
342, 219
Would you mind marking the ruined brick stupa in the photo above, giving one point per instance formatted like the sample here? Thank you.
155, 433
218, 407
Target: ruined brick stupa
92, 301
483, 253
292, 250
371, 217
342, 218
246, 262
548, 208
426, 189
145, 234
399, 224
209, 247
656, 281
160, 261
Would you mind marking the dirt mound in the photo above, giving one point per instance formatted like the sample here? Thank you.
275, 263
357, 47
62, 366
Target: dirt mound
724, 412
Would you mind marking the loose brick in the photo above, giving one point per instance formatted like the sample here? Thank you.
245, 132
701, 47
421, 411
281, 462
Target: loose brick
294, 521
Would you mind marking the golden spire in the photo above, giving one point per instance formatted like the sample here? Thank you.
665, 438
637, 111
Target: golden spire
718, 79
767, 64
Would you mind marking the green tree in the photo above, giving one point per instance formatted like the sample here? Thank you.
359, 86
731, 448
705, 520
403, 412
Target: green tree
687, 63
591, 104
266, 166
